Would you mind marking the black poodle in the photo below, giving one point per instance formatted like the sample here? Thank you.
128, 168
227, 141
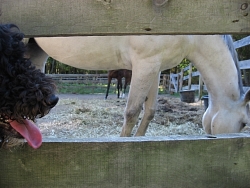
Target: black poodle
25, 92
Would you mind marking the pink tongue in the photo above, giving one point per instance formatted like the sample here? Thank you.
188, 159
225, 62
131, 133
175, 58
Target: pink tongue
29, 131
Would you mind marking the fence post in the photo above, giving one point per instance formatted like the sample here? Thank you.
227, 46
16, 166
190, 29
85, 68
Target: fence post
200, 87
181, 79
190, 76
164, 81
170, 82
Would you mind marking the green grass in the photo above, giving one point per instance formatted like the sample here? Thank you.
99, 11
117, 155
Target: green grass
79, 88
75, 88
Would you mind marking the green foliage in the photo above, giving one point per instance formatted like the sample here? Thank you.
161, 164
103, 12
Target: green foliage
183, 64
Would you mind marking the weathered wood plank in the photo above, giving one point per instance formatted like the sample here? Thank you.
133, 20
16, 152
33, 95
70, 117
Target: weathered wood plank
123, 17
174, 161
243, 42
245, 64
193, 74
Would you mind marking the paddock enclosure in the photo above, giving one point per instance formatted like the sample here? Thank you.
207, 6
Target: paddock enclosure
169, 161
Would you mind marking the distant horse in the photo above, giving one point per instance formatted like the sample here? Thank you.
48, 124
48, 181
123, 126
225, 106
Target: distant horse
119, 74
147, 55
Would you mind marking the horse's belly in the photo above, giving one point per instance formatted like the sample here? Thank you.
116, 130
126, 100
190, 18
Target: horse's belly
116, 52
86, 52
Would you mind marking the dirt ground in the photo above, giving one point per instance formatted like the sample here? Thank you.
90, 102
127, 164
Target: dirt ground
85, 116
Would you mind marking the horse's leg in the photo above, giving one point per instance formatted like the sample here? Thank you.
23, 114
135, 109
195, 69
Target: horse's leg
140, 85
127, 81
121, 88
36, 55
206, 120
118, 87
107, 92
124, 90
149, 108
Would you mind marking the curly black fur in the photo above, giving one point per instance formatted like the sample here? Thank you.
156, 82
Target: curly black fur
25, 92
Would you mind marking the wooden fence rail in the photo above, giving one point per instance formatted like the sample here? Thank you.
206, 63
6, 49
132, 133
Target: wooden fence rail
81, 78
97, 80
142, 162
177, 80
116, 17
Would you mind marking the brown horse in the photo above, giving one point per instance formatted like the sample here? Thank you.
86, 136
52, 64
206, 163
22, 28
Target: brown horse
119, 74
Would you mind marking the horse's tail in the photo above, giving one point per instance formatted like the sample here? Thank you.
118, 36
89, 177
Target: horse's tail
229, 41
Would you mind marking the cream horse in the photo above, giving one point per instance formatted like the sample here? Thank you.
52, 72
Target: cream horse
147, 56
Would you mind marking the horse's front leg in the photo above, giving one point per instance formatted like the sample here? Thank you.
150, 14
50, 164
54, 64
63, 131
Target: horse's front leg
149, 107
107, 92
124, 90
125, 86
140, 85
118, 87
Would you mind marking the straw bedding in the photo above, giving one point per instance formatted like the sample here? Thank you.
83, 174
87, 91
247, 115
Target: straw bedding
85, 116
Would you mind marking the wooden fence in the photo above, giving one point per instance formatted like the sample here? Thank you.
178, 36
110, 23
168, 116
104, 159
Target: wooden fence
176, 80
84, 83
81, 78
97, 81
142, 162
245, 64
129, 162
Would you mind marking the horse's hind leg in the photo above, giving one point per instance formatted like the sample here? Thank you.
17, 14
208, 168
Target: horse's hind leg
125, 86
149, 108
139, 88
121, 88
119, 85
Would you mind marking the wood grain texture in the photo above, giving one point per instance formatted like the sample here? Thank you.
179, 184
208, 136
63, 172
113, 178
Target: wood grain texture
174, 161
125, 17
